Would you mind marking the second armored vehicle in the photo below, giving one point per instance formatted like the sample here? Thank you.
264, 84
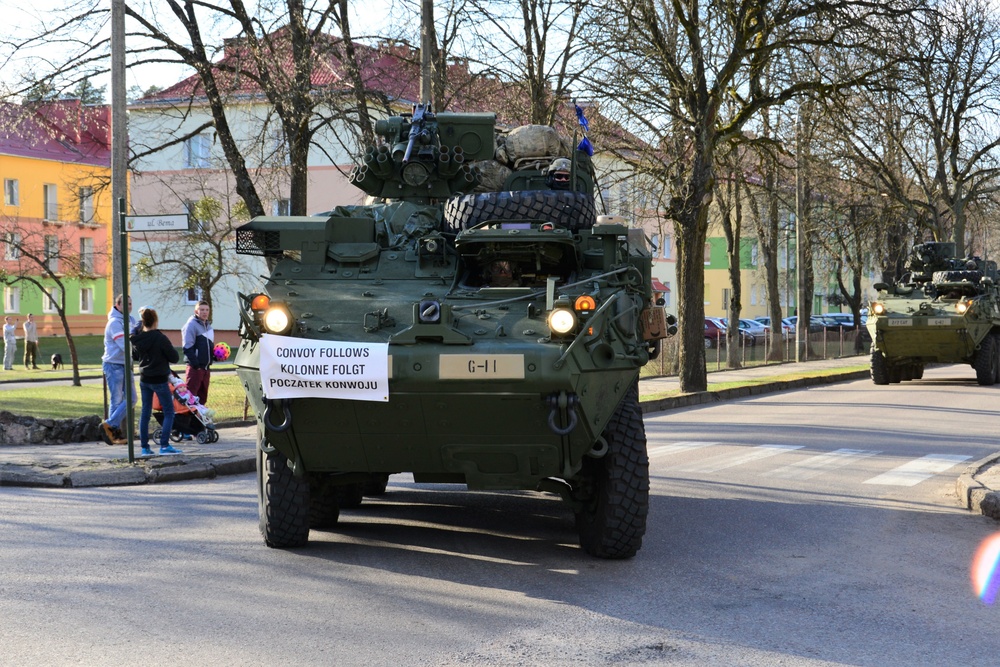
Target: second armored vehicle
944, 310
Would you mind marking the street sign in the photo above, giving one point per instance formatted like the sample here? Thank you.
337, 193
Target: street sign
156, 223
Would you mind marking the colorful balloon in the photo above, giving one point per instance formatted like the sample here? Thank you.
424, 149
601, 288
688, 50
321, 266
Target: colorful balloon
221, 351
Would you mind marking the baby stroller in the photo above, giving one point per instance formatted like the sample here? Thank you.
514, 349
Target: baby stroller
190, 417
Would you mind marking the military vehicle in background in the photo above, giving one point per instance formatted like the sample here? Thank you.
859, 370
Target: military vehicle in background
486, 338
945, 309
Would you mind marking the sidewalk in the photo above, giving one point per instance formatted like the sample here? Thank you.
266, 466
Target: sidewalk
96, 464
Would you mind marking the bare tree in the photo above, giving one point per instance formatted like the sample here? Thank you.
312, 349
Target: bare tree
672, 66
47, 264
926, 135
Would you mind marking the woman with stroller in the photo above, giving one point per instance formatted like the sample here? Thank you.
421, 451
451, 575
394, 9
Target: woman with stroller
154, 354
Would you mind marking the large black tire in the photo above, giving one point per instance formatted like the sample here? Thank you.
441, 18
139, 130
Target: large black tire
879, 367
612, 521
985, 362
573, 210
918, 371
324, 505
283, 501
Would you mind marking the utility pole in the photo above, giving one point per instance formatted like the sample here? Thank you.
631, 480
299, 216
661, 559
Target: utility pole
119, 134
426, 50
800, 336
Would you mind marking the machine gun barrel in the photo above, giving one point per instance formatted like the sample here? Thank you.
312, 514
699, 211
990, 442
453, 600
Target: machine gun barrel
420, 112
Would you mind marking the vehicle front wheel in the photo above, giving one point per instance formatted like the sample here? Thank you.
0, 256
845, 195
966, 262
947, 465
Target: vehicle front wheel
615, 488
879, 367
985, 362
283, 500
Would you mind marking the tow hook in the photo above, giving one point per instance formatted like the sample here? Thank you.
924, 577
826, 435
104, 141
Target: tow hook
563, 402
286, 410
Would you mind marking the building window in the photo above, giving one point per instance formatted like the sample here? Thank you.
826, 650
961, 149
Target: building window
283, 207
668, 252
87, 256
51, 300
708, 253
753, 295
51, 203
656, 244
10, 196
86, 204
12, 246
52, 253
86, 299
753, 254
12, 299
666, 295
197, 150
193, 295
726, 295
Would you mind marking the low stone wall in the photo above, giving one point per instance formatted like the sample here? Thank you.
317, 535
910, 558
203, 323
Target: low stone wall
16, 430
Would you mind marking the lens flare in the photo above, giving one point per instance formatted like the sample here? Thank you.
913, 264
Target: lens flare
985, 577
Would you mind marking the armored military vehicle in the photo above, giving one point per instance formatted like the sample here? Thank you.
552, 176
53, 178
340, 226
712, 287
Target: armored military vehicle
490, 339
945, 309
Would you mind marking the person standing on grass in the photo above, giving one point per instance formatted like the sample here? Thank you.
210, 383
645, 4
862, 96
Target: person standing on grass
114, 370
154, 353
30, 343
9, 342
197, 338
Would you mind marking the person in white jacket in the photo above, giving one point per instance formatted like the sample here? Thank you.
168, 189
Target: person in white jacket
9, 342
114, 370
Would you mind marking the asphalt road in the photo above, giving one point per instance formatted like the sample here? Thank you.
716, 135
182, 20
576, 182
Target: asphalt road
768, 544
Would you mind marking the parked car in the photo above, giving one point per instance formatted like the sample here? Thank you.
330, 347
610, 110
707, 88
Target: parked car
715, 333
844, 319
787, 328
757, 331
816, 324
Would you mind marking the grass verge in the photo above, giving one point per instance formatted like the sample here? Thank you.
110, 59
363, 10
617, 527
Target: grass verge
48, 401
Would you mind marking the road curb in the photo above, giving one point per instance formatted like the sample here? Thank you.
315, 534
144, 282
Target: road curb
976, 496
704, 397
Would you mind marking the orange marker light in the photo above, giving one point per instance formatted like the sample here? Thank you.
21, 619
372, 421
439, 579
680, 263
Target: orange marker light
584, 303
260, 302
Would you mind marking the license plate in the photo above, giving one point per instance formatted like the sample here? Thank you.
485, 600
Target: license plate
939, 321
900, 322
481, 367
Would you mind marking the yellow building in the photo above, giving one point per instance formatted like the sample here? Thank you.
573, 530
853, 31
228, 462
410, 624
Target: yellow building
55, 163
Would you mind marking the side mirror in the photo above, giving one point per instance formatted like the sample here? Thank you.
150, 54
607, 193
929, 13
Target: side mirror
661, 301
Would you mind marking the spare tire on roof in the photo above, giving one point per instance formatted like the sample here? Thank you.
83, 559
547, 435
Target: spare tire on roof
957, 276
569, 209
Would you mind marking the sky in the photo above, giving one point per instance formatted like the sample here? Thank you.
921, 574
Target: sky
21, 18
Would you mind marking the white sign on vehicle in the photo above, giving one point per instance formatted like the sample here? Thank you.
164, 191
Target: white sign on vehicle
156, 223
302, 368
900, 322
939, 321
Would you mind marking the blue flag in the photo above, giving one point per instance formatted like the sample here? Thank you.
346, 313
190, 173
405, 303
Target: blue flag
585, 144
583, 119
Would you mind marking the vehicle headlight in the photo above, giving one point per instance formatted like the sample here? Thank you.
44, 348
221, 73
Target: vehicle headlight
562, 321
962, 307
878, 308
277, 319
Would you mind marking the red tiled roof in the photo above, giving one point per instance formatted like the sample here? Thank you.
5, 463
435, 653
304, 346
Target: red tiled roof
61, 130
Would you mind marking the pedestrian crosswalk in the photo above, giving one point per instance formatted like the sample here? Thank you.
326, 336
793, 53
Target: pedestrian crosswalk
706, 458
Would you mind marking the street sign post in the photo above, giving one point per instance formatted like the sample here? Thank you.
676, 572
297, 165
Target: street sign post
156, 223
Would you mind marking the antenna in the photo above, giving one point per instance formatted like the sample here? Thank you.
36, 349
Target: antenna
426, 48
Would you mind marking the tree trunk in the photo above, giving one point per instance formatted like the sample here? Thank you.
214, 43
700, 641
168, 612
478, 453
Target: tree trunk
690, 214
